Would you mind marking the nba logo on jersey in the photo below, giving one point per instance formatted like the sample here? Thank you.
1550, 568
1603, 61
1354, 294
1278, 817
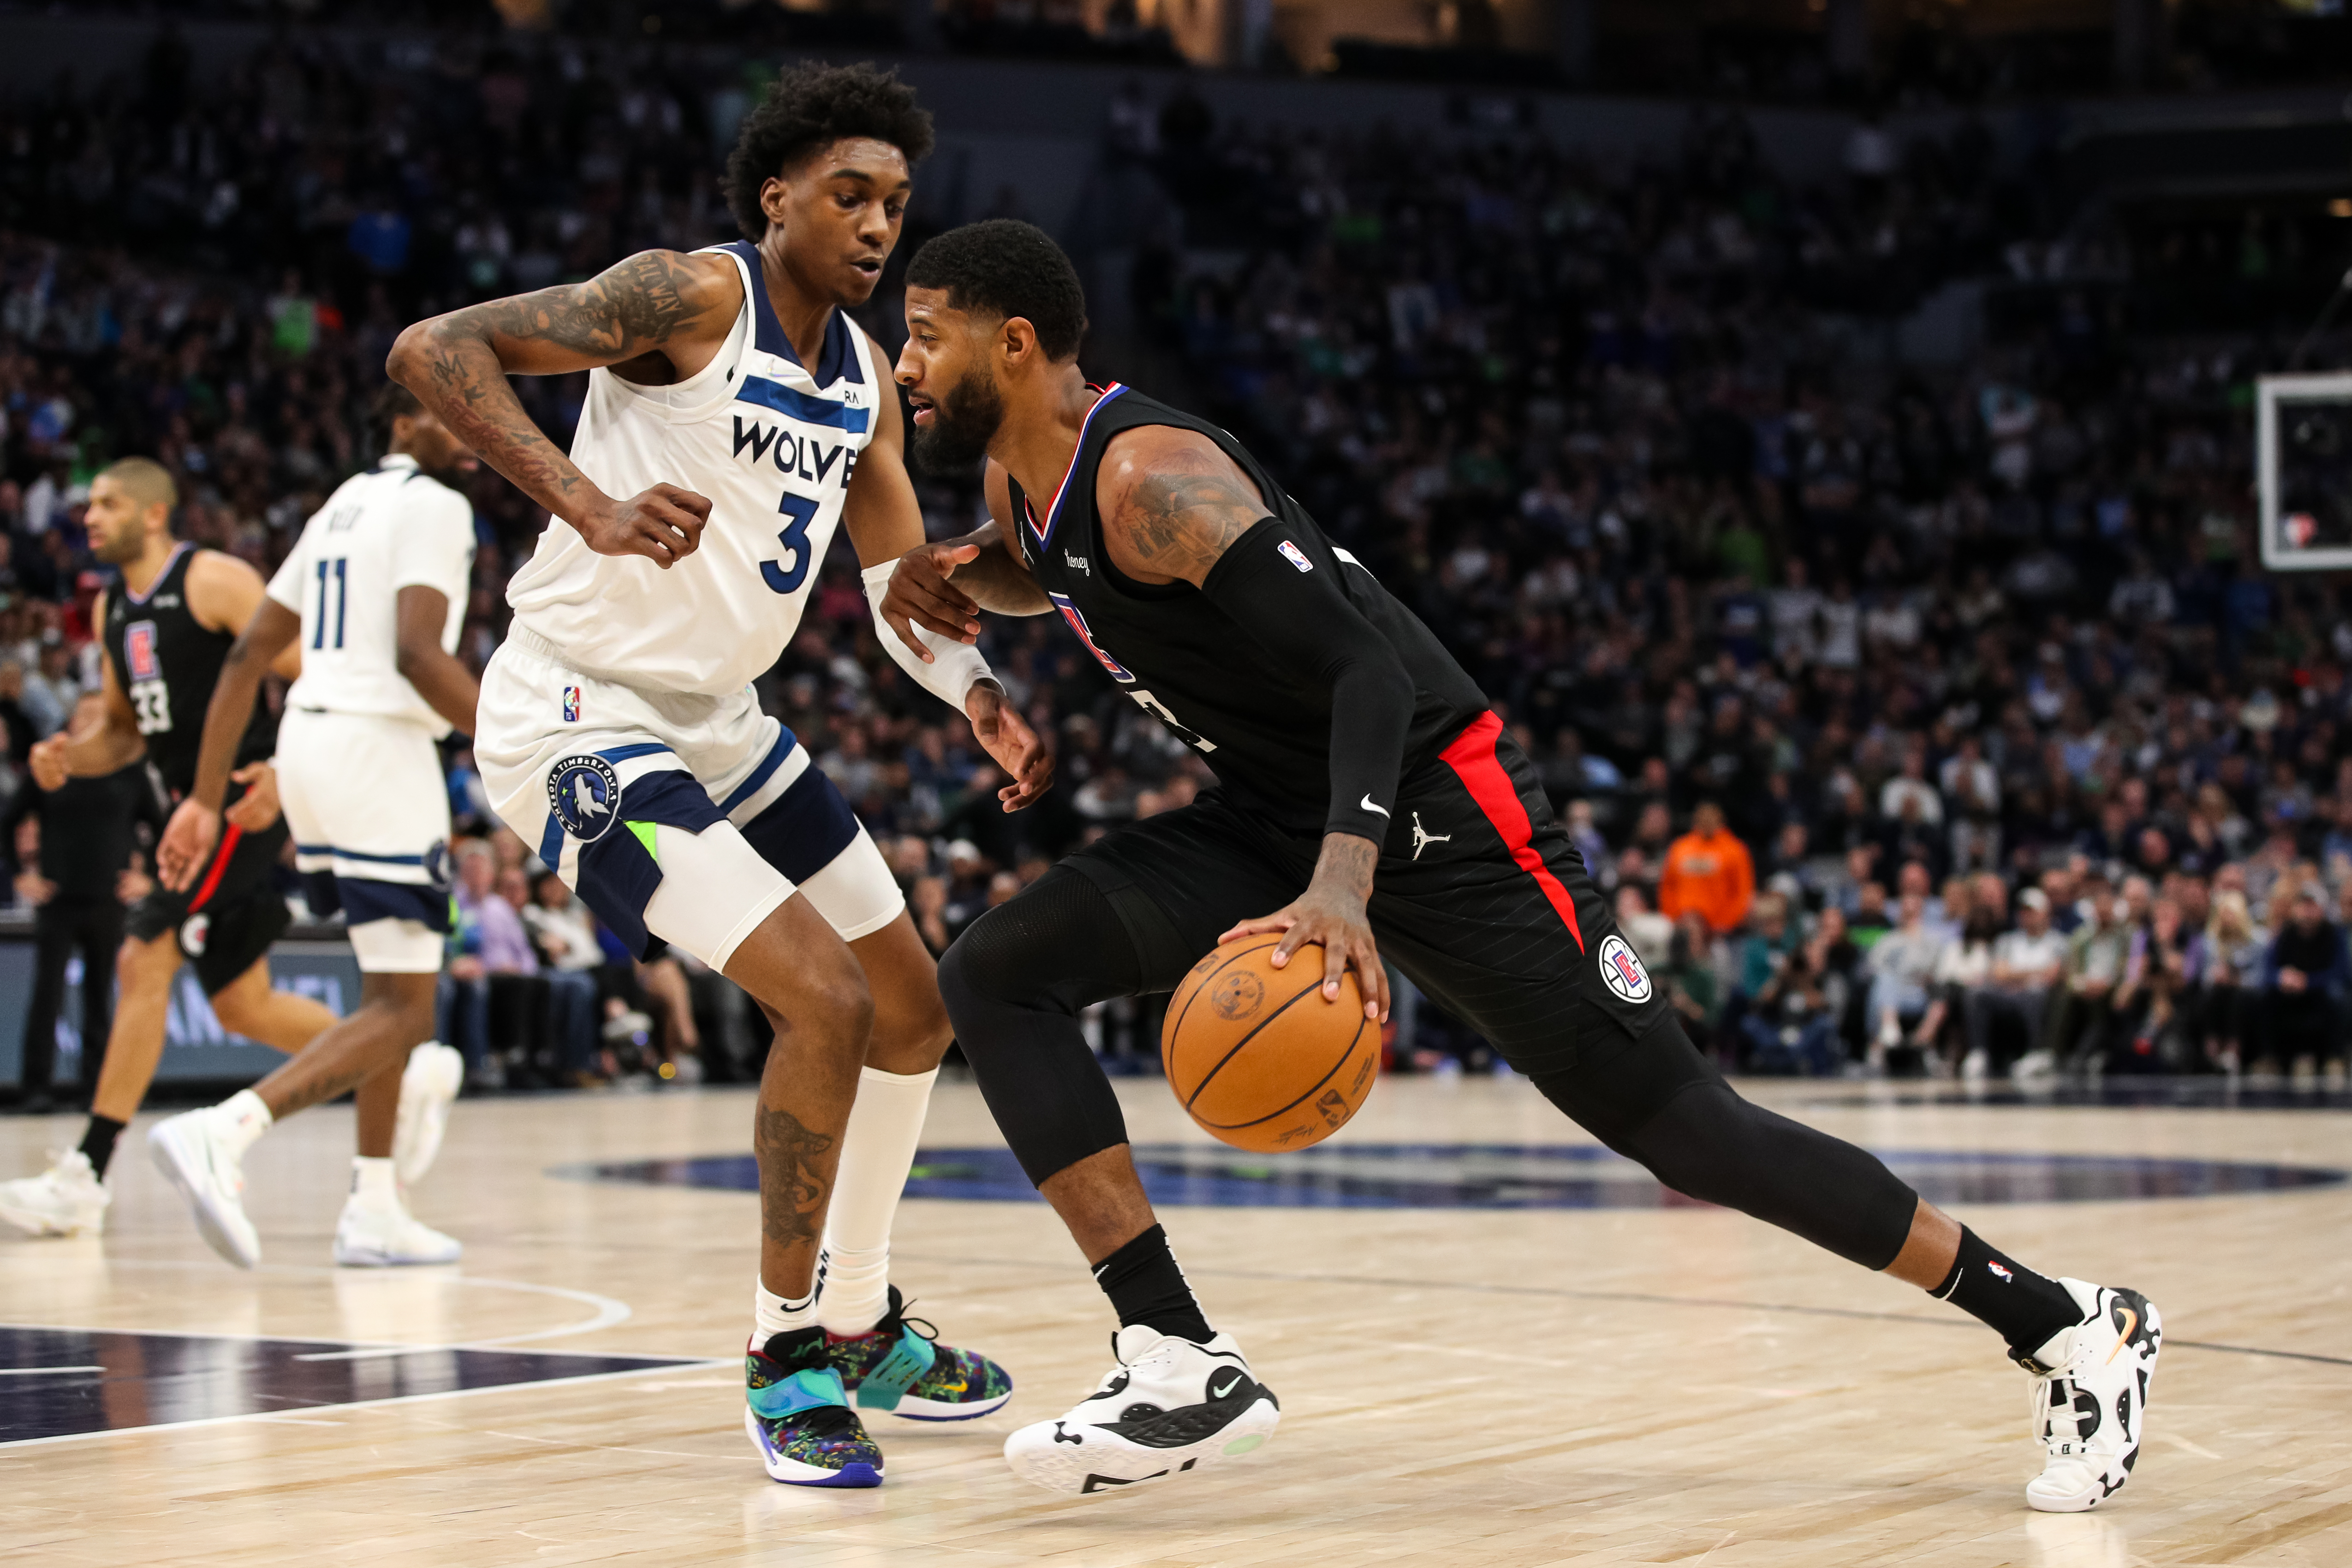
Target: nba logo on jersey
139, 648
1297, 557
572, 705
1079, 625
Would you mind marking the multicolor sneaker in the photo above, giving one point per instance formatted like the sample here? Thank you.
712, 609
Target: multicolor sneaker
898, 1366
799, 1417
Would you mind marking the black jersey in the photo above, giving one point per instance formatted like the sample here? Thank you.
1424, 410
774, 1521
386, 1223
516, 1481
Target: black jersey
1264, 729
168, 663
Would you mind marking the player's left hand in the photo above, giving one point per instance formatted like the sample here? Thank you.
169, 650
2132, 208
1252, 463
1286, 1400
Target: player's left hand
255, 811
1007, 738
187, 843
1336, 919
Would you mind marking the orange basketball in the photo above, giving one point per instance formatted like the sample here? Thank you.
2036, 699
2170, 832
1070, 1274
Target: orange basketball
1256, 1056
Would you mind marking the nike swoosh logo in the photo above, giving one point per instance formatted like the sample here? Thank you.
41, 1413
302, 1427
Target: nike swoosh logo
2124, 1337
1368, 806
1216, 1392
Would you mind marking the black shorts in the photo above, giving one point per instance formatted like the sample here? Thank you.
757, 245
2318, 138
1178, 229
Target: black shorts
230, 915
1480, 898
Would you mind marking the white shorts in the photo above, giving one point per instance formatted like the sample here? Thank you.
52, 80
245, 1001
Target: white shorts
369, 809
684, 817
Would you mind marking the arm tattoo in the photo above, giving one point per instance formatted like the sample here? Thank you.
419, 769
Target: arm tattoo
792, 1191
1180, 522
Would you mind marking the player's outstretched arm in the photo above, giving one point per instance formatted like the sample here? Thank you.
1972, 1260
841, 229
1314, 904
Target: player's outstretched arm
448, 687
941, 588
886, 524
92, 751
1176, 508
655, 318
188, 838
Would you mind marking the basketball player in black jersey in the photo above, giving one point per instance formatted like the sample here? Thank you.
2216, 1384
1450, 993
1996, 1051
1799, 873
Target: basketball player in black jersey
167, 624
1367, 801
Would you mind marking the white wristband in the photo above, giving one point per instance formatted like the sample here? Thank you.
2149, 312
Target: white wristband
955, 668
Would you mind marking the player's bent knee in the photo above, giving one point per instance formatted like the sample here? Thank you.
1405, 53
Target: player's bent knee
715, 891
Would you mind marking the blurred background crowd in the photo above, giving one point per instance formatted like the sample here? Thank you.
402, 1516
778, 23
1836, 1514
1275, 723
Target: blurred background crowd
1867, 556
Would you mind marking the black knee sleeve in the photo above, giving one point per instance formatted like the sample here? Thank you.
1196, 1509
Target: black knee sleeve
1661, 1103
1013, 985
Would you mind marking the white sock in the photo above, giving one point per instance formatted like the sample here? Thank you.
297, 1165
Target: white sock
772, 1314
374, 1184
885, 1125
245, 1118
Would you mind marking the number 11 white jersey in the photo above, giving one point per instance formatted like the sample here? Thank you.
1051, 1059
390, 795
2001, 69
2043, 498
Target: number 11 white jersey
771, 444
394, 528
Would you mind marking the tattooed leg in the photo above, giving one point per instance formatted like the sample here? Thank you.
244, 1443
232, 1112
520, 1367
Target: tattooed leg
395, 1016
806, 981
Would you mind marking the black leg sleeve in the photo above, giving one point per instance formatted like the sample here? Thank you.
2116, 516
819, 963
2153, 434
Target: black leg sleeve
1015, 984
1661, 1103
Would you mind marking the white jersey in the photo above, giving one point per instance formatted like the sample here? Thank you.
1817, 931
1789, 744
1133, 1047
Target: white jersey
771, 445
394, 528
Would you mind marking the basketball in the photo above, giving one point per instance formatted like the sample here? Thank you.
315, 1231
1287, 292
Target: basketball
1256, 1055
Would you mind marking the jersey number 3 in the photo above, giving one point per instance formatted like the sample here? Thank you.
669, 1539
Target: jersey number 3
782, 578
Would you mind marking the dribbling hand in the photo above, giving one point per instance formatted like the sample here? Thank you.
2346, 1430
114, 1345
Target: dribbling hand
1336, 921
664, 525
1007, 738
919, 592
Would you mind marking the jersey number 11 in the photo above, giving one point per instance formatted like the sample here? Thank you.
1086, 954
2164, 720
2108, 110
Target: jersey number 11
319, 632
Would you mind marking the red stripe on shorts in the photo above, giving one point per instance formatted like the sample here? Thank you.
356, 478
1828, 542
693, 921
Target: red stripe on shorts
1473, 759
230, 834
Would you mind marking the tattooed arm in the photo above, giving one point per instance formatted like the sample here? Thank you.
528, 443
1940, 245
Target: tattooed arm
1175, 509
655, 318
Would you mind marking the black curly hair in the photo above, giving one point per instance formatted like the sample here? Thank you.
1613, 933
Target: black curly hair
809, 106
1007, 268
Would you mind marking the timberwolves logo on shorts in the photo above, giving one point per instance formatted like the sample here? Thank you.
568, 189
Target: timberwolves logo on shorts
584, 792
438, 870
1622, 971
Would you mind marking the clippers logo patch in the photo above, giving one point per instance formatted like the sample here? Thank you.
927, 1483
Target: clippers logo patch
1292, 553
1078, 624
1622, 971
584, 793
193, 932
572, 705
139, 651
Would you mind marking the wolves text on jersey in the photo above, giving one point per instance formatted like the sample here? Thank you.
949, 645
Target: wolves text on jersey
795, 457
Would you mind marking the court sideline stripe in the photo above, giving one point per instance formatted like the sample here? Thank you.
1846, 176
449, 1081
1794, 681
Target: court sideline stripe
1644, 1297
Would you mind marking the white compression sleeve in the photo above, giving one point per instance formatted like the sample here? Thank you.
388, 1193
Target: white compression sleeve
955, 669
879, 1146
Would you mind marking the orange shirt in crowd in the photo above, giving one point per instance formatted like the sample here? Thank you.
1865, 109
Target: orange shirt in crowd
1710, 873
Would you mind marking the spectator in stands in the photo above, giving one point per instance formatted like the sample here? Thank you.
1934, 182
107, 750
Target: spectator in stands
2305, 979
569, 958
1652, 933
1693, 985
1708, 872
2094, 967
1902, 966
1791, 1025
491, 1006
2027, 966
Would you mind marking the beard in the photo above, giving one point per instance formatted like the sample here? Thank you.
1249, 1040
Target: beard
962, 425
117, 549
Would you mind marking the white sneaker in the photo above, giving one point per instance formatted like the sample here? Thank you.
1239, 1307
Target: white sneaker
370, 1236
2033, 1065
2090, 1397
1170, 1407
66, 1199
428, 1086
1974, 1066
196, 1151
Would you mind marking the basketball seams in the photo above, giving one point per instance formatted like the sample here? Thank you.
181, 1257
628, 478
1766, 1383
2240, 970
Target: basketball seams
1168, 1030
1289, 1002
1345, 1058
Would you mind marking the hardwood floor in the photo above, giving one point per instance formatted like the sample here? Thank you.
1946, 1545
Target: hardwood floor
1460, 1386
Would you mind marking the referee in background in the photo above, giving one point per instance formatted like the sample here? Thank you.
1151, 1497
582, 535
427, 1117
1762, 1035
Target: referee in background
87, 832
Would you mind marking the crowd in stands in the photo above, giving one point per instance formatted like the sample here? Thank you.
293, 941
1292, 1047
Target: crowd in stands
1918, 718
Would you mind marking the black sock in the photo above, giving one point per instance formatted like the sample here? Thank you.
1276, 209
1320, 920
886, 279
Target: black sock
99, 1142
1146, 1286
2020, 1306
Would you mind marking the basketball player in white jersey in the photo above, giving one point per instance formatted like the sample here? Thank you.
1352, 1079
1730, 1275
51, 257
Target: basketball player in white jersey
735, 417
373, 593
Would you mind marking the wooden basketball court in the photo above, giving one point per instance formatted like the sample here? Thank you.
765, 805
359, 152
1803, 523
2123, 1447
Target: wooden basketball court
1461, 1385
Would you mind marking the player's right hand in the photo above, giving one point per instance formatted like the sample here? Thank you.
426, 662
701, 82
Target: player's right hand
663, 524
188, 843
48, 762
920, 594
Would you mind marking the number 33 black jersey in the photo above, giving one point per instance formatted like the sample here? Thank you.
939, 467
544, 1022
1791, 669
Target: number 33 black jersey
168, 663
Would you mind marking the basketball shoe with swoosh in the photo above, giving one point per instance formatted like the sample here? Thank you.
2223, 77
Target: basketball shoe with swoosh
899, 1366
2090, 1397
798, 1416
1171, 1407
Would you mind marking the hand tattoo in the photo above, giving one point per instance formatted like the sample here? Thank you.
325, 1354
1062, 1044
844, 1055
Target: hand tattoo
792, 1191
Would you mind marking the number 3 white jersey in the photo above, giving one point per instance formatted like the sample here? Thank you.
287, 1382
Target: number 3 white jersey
378, 533
771, 445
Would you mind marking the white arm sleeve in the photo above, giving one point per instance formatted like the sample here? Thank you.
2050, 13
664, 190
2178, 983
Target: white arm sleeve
954, 670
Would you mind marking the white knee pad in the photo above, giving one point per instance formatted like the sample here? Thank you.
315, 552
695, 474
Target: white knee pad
397, 947
715, 891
